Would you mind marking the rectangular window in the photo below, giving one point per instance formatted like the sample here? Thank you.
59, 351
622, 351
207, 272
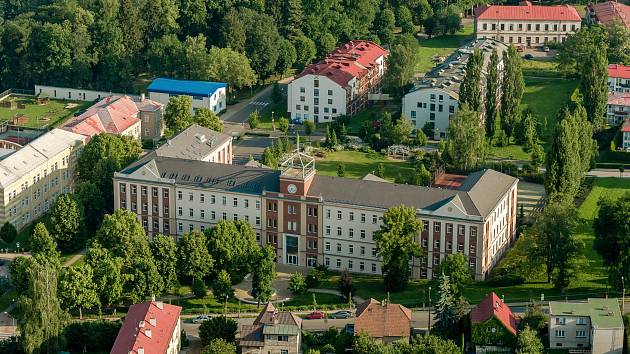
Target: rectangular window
351, 233
338, 230
339, 215
559, 333
338, 263
581, 321
351, 216
461, 230
327, 246
350, 249
235, 202
224, 200
436, 227
327, 229
580, 334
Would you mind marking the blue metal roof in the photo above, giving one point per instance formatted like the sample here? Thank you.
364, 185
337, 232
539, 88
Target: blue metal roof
185, 87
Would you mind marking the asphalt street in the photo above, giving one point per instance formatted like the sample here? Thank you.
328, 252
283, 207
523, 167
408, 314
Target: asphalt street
239, 113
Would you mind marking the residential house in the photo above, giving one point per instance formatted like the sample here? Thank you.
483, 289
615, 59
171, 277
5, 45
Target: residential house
120, 115
618, 78
338, 85
625, 135
198, 143
312, 219
211, 95
32, 176
493, 325
383, 321
434, 99
526, 24
273, 331
618, 108
151, 327
608, 12
594, 325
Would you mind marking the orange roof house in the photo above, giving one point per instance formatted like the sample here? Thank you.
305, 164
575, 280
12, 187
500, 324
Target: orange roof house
383, 321
151, 327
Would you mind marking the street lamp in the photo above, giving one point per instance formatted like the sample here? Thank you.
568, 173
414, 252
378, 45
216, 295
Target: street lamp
623, 296
225, 306
12, 320
429, 309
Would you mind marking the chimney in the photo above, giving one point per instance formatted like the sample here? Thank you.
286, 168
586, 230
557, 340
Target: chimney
141, 350
159, 305
153, 321
141, 324
153, 298
148, 333
142, 97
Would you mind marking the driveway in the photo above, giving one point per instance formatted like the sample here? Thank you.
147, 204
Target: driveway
249, 145
240, 112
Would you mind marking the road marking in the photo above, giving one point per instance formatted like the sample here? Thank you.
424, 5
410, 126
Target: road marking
259, 103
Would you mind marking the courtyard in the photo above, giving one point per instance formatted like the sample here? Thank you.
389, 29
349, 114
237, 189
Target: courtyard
27, 112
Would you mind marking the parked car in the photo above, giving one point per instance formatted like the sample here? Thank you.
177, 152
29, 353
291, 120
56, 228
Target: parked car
545, 48
528, 56
520, 48
340, 314
315, 315
200, 319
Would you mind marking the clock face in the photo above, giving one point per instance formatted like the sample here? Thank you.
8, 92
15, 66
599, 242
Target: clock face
291, 188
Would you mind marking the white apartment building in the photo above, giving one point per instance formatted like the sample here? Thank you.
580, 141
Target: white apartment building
595, 325
625, 131
434, 99
312, 219
198, 143
618, 108
337, 85
618, 78
526, 25
212, 95
32, 177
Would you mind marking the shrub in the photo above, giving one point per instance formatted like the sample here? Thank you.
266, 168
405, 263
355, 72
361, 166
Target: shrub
199, 288
95, 336
345, 284
222, 286
8, 233
314, 277
297, 284
220, 327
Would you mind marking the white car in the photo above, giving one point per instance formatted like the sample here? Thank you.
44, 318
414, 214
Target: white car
200, 319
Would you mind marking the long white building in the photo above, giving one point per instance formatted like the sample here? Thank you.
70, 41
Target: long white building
311, 219
338, 85
434, 99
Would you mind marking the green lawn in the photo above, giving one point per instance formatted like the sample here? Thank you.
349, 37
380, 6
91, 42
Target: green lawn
307, 299
275, 111
441, 46
358, 164
512, 152
591, 282
50, 114
545, 97
369, 114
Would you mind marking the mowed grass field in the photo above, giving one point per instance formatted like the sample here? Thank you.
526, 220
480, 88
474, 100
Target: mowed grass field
46, 115
591, 281
441, 46
358, 164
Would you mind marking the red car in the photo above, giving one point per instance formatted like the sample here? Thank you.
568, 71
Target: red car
315, 315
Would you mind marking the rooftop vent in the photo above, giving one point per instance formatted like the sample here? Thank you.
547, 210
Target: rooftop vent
153, 321
148, 333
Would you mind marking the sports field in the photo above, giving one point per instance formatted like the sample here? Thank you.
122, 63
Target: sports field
25, 111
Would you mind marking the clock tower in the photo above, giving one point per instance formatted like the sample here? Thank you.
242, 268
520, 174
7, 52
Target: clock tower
297, 174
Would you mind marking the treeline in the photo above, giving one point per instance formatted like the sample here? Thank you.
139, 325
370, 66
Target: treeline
108, 44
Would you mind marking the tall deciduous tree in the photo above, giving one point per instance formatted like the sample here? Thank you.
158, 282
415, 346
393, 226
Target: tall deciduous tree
91, 201
528, 342
8, 232
42, 243
594, 85
219, 346
556, 244
107, 274
66, 218
305, 49
228, 65
42, 319
232, 245
396, 245
164, 251
456, 268
219, 327
222, 286
470, 89
492, 102
400, 68
194, 260
263, 275
77, 289
612, 239
385, 24
466, 143
512, 88
177, 115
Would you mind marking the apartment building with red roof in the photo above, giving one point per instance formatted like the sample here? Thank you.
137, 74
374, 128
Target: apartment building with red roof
339, 84
120, 115
607, 13
493, 323
383, 321
151, 327
618, 78
526, 24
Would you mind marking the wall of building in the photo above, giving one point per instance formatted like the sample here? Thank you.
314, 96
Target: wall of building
76, 94
323, 105
618, 85
221, 154
152, 124
609, 341
530, 33
626, 140
616, 114
423, 106
175, 341
217, 102
570, 327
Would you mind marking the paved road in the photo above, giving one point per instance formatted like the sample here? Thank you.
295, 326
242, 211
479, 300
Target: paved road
239, 112
249, 145
607, 172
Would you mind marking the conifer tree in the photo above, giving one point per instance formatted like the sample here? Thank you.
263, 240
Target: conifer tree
492, 91
512, 86
470, 89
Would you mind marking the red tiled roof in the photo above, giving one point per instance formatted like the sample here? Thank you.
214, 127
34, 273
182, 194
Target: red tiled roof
148, 326
527, 11
610, 11
625, 128
620, 71
269, 315
382, 320
619, 99
491, 306
113, 115
353, 59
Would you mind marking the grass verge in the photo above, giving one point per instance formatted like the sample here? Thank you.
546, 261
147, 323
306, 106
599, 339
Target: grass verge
358, 164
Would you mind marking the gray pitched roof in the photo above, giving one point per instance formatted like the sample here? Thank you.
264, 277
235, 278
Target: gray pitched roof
233, 178
485, 188
193, 143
